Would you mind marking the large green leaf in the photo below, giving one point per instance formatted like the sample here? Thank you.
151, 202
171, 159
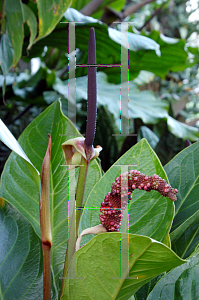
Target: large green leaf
18, 187
108, 39
135, 42
99, 266
183, 172
9, 140
50, 14
181, 283
150, 214
173, 56
21, 267
14, 20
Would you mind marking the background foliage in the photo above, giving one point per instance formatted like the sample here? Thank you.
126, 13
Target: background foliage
163, 62
163, 109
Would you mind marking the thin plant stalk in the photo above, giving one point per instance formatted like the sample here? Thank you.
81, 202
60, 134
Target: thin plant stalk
73, 233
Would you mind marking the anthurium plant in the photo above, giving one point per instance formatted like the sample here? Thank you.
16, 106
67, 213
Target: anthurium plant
70, 231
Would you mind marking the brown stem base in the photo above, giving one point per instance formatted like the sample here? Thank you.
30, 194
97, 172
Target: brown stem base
46, 272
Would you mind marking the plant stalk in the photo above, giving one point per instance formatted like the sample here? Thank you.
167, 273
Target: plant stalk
46, 272
73, 233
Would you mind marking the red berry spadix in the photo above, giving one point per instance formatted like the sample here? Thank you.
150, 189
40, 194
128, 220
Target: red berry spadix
111, 211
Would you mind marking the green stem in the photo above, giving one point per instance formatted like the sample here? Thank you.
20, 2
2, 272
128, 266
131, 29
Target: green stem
80, 190
73, 233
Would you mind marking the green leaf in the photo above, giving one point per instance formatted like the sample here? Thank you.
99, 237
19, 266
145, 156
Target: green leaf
18, 188
135, 42
31, 20
14, 20
145, 290
107, 39
9, 140
182, 130
181, 283
50, 14
149, 135
173, 57
79, 4
116, 5
99, 266
21, 266
183, 173
150, 214
6, 53
178, 232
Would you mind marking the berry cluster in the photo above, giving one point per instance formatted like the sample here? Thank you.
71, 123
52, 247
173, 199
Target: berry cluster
116, 201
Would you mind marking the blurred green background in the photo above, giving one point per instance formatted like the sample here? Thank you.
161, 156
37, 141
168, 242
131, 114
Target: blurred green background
163, 70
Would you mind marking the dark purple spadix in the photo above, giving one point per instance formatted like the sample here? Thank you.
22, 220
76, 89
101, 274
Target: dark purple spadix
92, 92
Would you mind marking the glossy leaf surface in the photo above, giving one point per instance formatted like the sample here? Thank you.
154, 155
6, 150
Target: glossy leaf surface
21, 267
50, 15
183, 169
18, 187
14, 15
99, 266
181, 283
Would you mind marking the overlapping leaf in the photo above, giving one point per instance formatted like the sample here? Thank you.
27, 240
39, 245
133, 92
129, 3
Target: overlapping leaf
31, 20
183, 171
181, 283
18, 187
9, 140
173, 56
99, 271
150, 214
108, 39
50, 14
21, 267
6, 53
14, 15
